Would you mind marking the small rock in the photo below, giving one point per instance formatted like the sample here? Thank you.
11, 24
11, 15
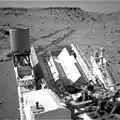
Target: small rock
1, 60
118, 62
118, 51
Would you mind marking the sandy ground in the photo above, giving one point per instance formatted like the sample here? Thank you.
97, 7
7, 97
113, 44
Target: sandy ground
53, 27
8, 92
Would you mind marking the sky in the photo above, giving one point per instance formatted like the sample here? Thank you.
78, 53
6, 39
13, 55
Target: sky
59, 0
101, 6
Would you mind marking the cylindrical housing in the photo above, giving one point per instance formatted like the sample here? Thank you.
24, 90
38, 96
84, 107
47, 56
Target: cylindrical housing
19, 40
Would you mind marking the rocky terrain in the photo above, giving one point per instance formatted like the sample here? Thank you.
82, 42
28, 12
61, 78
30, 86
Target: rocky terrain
58, 25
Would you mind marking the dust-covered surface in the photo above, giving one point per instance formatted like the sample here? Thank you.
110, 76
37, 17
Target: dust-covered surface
55, 26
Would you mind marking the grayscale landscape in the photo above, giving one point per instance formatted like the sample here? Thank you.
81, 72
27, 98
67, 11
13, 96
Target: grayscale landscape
55, 25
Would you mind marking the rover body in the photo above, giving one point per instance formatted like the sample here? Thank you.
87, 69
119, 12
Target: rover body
60, 83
